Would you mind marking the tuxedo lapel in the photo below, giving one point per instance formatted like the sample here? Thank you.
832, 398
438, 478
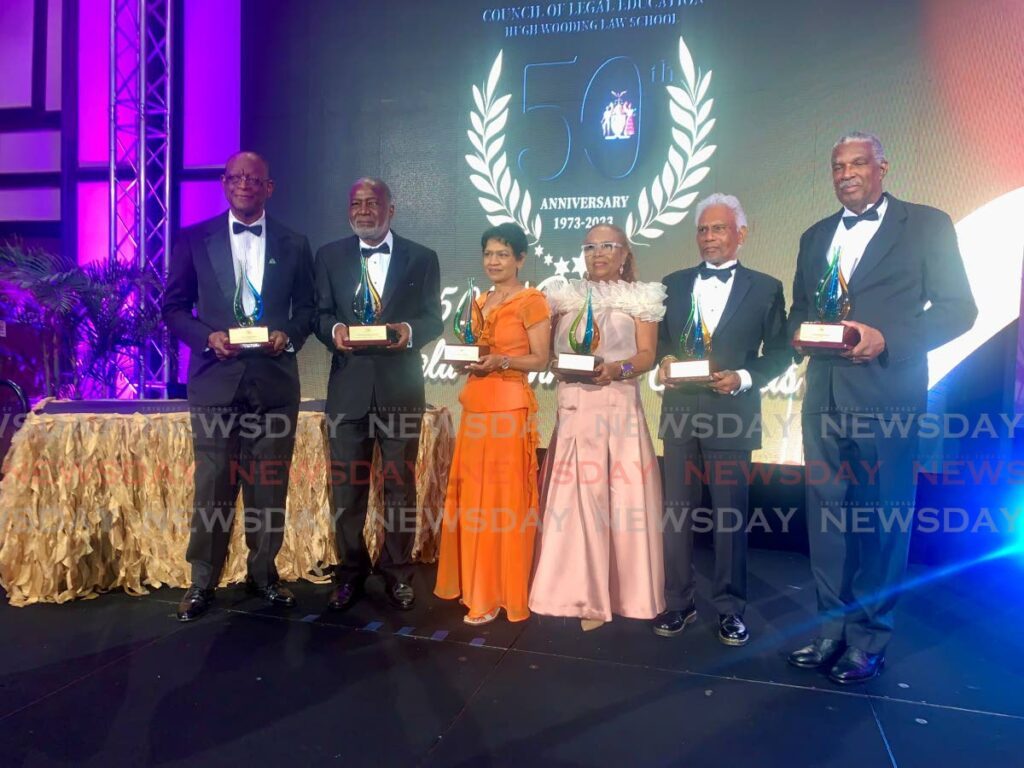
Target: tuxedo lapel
741, 282
396, 273
272, 257
819, 251
885, 238
218, 250
685, 302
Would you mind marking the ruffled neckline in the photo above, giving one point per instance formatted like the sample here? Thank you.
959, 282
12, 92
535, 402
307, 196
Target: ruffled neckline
644, 301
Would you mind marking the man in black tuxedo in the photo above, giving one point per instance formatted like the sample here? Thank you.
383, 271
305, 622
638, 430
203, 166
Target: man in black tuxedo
709, 430
375, 394
909, 294
244, 403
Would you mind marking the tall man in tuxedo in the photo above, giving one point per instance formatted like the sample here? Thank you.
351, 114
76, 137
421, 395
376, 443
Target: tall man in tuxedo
375, 394
709, 430
244, 404
909, 294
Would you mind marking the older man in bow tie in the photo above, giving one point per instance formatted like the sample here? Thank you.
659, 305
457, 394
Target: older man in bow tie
709, 430
375, 395
908, 294
244, 403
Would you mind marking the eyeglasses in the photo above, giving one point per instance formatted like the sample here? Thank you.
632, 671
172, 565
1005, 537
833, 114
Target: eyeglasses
589, 249
715, 229
244, 179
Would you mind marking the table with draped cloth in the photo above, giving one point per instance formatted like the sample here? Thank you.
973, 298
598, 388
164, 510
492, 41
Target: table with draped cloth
98, 496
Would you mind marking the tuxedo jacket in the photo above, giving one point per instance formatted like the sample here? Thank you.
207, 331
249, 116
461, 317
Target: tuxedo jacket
912, 260
751, 335
389, 380
199, 299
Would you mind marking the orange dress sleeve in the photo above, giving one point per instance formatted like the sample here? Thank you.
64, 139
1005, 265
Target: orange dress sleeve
534, 308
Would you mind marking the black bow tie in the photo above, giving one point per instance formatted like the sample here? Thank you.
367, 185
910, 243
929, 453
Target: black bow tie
719, 274
382, 248
238, 228
871, 214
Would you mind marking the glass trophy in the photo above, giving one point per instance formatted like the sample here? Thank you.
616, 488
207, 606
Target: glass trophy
584, 338
468, 325
832, 301
248, 334
367, 330
695, 348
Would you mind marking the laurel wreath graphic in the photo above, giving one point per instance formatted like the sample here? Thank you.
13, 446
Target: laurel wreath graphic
665, 202
686, 166
502, 199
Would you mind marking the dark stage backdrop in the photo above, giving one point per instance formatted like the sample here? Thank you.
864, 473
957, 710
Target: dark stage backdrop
559, 115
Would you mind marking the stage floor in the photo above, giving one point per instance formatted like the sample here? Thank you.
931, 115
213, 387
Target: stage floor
117, 681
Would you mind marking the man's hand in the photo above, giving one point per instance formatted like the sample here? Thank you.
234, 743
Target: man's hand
870, 346
795, 343
341, 338
218, 342
403, 335
663, 372
725, 382
279, 340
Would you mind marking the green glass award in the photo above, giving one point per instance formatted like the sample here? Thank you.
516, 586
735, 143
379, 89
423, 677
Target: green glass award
584, 338
248, 334
468, 326
695, 349
832, 301
366, 306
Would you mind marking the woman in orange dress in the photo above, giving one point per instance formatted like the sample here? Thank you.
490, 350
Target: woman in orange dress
491, 509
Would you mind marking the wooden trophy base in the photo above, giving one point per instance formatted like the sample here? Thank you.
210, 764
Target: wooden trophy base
577, 368
689, 372
362, 336
462, 355
250, 338
826, 338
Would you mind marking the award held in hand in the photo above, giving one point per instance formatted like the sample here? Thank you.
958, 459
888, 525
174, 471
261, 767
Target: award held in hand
248, 334
584, 338
695, 345
368, 331
468, 325
832, 301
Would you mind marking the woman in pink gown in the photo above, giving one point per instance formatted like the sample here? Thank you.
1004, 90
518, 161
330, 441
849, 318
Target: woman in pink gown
600, 549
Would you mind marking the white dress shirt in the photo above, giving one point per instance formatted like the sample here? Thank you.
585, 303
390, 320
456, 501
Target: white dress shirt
854, 241
711, 295
248, 256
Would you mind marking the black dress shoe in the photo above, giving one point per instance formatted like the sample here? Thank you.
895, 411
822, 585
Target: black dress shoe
856, 666
195, 603
276, 594
822, 652
401, 595
671, 623
732, 630
344, 596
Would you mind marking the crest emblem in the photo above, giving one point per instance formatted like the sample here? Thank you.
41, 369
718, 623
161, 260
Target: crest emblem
619, 118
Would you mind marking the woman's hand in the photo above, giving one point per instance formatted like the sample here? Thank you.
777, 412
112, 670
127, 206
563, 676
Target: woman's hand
607, 373
486, 364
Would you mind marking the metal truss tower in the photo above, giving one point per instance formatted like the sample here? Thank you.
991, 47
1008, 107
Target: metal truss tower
140, 168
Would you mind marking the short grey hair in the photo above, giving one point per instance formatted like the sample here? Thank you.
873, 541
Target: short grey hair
863, 136
730, 201
377, 184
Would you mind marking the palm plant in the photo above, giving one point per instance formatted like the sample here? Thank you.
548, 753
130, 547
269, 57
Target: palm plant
113, 324
42, 290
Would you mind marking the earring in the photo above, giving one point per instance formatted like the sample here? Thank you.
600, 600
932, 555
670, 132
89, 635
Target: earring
621, 267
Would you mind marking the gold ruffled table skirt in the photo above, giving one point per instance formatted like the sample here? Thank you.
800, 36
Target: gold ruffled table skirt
92, 502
